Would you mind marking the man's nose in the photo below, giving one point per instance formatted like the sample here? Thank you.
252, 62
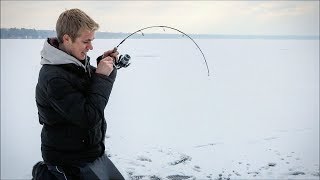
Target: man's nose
90, 47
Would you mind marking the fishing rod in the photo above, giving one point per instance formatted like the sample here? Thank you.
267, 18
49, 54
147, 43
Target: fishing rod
140, 30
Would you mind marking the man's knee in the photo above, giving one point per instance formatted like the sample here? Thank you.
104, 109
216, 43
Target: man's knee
40, 171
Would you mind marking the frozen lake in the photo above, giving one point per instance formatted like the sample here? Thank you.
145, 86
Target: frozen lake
255, 117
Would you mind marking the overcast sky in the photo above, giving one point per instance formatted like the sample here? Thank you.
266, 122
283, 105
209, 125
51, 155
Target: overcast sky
196, 17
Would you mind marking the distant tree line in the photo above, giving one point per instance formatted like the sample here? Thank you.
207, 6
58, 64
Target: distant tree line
23, 33
16, 33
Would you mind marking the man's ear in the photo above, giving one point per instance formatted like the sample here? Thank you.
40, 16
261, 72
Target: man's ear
66, 39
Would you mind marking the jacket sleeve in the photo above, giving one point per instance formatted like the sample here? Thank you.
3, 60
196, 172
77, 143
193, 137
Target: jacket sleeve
79, 108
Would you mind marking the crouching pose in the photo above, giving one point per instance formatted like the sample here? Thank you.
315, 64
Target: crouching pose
71, 96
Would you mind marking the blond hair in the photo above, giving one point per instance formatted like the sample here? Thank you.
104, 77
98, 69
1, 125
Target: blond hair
72, 22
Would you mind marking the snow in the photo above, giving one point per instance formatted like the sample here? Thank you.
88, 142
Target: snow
255, 117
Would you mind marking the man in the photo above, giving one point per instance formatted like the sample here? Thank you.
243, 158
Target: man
71, 96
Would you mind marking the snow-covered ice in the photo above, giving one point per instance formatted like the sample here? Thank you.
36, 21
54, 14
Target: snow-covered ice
255, 117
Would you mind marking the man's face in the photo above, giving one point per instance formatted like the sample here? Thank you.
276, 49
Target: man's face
81, 45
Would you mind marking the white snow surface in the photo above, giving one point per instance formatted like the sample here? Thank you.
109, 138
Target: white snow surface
255, 117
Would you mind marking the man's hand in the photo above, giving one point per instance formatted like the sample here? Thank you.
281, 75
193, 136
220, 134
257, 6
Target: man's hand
112, 53
105, 66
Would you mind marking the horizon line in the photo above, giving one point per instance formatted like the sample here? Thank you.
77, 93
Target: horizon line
200, 34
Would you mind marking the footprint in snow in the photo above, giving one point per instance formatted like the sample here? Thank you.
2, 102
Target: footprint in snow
183, 159
178, 177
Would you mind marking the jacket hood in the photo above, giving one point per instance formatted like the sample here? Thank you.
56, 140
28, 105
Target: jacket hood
50, 54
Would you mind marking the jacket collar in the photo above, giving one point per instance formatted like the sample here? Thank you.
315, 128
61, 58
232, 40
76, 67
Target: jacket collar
50, 54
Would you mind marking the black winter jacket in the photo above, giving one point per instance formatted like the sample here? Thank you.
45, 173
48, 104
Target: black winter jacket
71, 102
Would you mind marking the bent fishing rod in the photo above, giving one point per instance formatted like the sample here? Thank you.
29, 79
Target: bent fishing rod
124, 60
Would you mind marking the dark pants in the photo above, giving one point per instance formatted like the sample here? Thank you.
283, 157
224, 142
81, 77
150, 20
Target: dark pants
102, 169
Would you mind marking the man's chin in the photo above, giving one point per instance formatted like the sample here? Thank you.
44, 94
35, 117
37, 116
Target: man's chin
82, 57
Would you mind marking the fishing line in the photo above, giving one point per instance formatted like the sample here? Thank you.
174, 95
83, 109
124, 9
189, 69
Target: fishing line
140, 30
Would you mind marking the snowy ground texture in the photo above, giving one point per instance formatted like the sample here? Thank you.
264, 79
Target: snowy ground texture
255, 117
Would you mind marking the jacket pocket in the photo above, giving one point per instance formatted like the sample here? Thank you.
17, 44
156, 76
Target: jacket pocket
95, 134
66, 139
